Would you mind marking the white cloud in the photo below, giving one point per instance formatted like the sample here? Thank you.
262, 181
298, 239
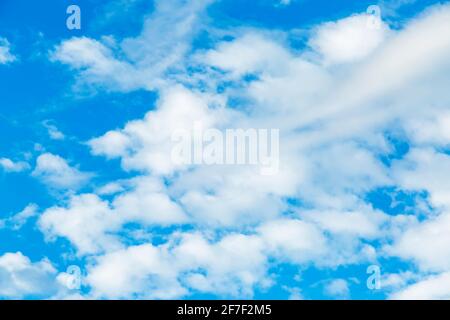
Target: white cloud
143, 60
294, 240
138, 271
294, 293
365, 223
92, 224
146, 144
425, 169
433, 129
19, 219
53, 132
431, 288
86, 222
426, 243
97, 62
21, 278
231, 266
148, 203
395, 281
10, 166
236, 196
55, 172
5, 52
338, 288
248, 48
333, 120
348, 40
110, 189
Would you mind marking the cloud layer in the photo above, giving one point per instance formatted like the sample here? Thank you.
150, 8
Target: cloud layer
343, 103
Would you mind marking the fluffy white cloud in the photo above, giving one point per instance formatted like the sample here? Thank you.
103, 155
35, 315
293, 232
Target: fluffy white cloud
97, 61
149, 204
146, 145
395, 281
55, 172
294, 240
431, 288
348, 40
431, 130
426, 243
231, 266
140, 271
333, 121
338, 288
86, 222
21, 278
93, 224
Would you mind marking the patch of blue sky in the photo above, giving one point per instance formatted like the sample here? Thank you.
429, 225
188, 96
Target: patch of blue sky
270, 14
393, 201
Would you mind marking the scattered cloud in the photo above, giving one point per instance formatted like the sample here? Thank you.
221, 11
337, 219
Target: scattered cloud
366, 78
430, 288
19, 219
53, 131
6, 56
141, 62
55, 172
165, 230
9, 165
338, 288
22, 278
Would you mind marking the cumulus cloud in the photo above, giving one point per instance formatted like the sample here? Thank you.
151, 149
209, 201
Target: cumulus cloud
431, 288
348, 40
233, 266
138, 271
21, 277
86, 222
146, 145
336, 104
93, 224
55, 172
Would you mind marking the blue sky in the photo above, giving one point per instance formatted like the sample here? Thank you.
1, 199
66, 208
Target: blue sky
87, 179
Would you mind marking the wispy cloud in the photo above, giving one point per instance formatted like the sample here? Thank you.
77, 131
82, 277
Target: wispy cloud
5, 52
